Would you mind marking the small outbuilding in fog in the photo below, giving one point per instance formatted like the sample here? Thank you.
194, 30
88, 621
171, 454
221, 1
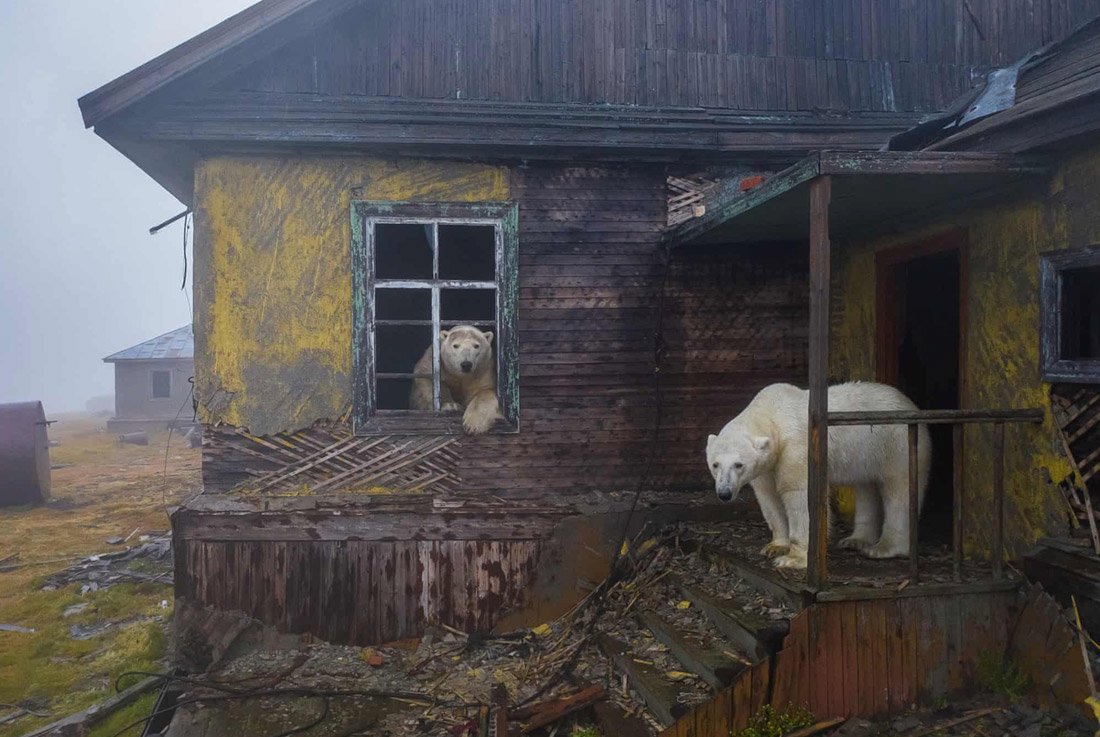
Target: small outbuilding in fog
153, 382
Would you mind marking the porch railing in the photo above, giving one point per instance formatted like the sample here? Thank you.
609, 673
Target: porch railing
957, 418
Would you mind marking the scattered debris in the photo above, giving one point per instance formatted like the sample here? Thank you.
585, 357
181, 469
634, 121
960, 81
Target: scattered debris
81, 721
74, 610
16, 628
147, 561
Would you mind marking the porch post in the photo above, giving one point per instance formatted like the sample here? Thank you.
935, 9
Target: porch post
817, 483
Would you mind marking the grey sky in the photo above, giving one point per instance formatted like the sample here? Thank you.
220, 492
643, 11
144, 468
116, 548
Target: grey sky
80, 277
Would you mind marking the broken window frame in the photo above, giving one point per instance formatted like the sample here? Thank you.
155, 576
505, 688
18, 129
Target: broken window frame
1054, 367
365, 215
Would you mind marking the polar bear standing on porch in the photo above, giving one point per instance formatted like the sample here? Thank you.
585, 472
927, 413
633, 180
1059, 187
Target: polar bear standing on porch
467, 378
766, 446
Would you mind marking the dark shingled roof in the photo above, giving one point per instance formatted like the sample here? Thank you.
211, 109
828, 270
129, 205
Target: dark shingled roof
179, 343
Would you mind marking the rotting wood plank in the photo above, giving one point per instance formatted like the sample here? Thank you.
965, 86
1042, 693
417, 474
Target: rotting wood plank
660, 697
716, 669
770, 583
614, 721
759, 637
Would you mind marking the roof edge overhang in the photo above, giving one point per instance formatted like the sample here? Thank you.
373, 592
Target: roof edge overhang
968, 173
267, 18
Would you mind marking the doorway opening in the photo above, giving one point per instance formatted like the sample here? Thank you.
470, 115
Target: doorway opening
921, 307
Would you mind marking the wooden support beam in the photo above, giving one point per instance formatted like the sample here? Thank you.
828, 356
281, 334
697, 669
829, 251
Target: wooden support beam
771, 582
817, 482
957, 507
914, 505
998, 498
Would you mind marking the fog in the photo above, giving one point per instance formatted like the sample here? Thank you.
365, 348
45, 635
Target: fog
80, 276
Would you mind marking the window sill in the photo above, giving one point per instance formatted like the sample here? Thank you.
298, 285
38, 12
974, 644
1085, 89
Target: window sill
424, 423
1072, 372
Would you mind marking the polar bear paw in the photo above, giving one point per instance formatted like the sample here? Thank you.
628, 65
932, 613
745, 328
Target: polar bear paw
775, 548
886, 549
856, 543
795, 558
451, 407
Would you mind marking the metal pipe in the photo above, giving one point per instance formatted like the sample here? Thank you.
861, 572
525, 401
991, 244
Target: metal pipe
157, 228
914, 506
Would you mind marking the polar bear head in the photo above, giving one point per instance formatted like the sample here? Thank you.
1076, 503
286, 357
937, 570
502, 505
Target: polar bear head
735, 457
465, 351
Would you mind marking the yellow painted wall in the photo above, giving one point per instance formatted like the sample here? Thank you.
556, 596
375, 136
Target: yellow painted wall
273, 307
1002, 350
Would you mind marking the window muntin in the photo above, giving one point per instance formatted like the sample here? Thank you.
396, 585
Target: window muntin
162, 384
420, 269
1070, 327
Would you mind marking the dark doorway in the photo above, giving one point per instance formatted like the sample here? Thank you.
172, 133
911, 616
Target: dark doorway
921, 307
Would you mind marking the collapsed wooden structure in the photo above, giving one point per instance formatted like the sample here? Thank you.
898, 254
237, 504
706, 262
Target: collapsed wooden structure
660, 210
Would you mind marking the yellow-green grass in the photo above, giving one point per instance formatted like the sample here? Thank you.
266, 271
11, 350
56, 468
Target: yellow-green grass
108, 491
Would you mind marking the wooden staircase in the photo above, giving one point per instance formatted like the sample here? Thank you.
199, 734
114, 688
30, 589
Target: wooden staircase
690, 635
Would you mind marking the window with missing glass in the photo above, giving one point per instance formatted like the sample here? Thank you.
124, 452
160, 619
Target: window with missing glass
1070, 338
434, 327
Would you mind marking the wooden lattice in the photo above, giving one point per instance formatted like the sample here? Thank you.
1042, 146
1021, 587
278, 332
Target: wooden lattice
326, 458
1077, 412
686, 197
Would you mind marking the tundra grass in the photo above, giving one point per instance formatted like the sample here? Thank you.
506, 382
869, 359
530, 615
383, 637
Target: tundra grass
104, 490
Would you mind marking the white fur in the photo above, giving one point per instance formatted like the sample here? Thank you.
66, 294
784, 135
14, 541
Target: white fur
766, 446
467, 378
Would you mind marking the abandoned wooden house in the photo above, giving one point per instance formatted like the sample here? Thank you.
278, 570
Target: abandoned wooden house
153, 382
638, 200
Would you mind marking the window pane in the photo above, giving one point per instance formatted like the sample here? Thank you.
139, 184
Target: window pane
465, 306
162, 385
1081, 313
397, 348
393, 393
402, 251
402, 304
467, 252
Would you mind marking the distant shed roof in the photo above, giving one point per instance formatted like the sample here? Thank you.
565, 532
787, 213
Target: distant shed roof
179, 343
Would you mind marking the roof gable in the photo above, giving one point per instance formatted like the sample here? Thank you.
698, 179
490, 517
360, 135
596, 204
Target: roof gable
176, 344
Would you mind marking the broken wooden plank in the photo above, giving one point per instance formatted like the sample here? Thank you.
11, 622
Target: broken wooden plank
757, 636
660, 697
81, 720
554, 710
713, 667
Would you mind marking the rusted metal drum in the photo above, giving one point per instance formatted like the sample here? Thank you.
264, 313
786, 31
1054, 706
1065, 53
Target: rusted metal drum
24, 454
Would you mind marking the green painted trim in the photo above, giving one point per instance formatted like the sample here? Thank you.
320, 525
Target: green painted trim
364, 421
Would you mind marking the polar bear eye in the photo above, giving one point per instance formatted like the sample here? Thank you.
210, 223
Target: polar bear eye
477, 346
738, 466
714, 466
455, 345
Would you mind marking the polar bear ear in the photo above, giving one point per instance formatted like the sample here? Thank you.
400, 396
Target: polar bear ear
761, 442
488, 337
443, 334
711, 439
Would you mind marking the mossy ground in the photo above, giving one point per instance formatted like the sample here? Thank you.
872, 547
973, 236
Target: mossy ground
108, 490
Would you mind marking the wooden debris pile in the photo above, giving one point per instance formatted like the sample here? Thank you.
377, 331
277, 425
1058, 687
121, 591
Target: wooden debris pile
1076, 411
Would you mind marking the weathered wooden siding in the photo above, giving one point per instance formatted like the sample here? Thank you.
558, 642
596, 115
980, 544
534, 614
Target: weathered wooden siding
360, 592
589, 282
792, 55
1002, 347
881, 656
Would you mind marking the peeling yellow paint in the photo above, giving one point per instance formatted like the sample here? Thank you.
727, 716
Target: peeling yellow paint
273, 322
1002, 348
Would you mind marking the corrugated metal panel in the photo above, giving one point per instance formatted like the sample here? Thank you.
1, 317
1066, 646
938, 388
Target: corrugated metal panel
179, 343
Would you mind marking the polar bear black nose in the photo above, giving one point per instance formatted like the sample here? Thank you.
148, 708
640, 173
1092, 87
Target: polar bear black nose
466, 366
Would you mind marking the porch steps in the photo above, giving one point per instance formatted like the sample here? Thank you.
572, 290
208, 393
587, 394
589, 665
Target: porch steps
691, 636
